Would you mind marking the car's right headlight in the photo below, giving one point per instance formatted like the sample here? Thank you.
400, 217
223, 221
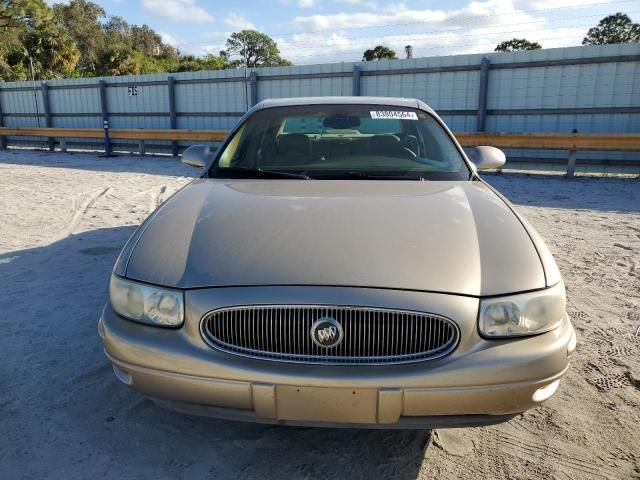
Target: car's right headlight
523, 314
163, 307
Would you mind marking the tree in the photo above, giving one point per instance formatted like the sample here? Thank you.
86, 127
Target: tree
408, 50
191, 63
83, 21
119, 60
14, 12
254, 49
617, 28
145, 40
117, 31
379, 53
517, 45
33, 44
78, 39
213, 62
109, 45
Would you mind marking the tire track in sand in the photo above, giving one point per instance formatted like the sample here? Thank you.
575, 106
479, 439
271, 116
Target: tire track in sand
81, 211
570, 463
156, 199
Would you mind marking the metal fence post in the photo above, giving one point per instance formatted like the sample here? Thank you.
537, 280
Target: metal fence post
253, 83
105, 117
355, 81
3, 139
173, 118
482, 95
47, 112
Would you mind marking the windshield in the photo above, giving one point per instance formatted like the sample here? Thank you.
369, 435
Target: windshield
339, 142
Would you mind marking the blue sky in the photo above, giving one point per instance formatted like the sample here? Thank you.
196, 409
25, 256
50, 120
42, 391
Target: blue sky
320, 31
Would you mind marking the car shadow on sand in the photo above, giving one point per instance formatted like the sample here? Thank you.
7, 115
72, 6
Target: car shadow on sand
59, 397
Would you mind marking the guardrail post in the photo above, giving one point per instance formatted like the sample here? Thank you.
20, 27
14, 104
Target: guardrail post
105, 117
3, 139
253, 83
47, 112
141, 148
173, 118
355, 81
482, 95
571, 163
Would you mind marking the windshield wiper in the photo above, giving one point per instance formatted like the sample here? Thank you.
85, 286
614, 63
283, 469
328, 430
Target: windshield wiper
259, 172
376, 176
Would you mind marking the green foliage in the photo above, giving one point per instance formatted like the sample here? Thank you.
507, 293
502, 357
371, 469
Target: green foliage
190, 63
148, 42
77, 39
517, 45
254, 49
117, 31
408, 50
110, 45
82, 21
617, 28
379, 53
33, 44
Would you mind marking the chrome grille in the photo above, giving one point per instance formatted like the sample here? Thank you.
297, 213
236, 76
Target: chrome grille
371, 335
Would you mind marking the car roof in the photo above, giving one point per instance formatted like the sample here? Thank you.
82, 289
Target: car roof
382, 101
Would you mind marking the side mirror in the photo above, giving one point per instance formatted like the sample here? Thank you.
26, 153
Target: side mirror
197, 156
487, 158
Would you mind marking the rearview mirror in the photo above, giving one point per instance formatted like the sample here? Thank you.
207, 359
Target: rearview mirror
197, 156
487, 158
341, 122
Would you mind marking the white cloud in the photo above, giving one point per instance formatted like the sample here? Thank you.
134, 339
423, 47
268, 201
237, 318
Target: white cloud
545, 4
169, 39
215, 41
306, 3
178, 10
238, 22
474, 15
363, 19
360, 3
475, 28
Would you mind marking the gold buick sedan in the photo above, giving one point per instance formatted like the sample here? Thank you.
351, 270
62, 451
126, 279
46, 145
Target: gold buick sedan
339, 262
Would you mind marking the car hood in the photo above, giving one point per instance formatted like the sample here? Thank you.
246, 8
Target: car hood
453, 237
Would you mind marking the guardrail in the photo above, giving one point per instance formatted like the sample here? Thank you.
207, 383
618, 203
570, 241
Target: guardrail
552, 141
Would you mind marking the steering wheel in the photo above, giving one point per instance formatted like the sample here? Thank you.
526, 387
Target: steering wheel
411, 153
408, 142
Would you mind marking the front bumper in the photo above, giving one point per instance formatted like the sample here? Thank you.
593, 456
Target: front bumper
481, 382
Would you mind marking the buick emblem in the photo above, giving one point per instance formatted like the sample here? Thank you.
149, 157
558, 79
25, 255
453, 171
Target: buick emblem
326, 332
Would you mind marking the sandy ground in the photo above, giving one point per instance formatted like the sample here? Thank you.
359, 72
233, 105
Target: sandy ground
63, 219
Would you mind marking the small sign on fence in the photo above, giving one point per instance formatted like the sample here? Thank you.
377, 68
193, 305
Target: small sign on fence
133, 90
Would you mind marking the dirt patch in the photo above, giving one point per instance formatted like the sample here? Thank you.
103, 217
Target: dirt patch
64, 415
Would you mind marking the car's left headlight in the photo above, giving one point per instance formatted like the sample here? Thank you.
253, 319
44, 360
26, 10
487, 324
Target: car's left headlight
524, 314
144, 303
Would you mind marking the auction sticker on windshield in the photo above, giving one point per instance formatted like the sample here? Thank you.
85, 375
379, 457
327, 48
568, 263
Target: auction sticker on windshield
394, 114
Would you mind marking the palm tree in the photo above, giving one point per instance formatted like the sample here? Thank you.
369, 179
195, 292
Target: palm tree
379, 53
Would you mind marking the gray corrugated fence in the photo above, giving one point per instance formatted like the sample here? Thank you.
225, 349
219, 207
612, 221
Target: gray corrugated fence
591, 89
